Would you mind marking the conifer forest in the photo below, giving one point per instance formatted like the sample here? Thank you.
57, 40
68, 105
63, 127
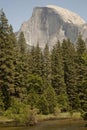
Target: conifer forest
42, 79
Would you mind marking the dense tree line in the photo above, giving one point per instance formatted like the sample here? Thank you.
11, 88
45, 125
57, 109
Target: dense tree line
43, 79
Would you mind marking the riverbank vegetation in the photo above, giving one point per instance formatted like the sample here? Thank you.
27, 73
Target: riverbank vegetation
35, 81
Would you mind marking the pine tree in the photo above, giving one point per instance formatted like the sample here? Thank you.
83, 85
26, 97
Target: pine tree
39, 60
68, 53
1, 103
47, 66
83, 95
81, 50
34, 83
22, 43
81, 72
36, 60
34, 88
50, 95
6, 60
21, 67
58, 75
43, 105
58, 70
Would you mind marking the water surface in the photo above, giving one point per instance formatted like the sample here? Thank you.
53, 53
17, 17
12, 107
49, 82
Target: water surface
53, 125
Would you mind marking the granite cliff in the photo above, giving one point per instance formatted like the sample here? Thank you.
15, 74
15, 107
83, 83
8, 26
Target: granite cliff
50, 24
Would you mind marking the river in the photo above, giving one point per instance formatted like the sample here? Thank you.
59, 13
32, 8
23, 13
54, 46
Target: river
52, 125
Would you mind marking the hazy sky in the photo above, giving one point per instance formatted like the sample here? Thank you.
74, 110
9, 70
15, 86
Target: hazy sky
18, 11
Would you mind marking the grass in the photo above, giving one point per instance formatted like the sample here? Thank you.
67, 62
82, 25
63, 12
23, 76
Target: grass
66, 115
4, 119
76, 115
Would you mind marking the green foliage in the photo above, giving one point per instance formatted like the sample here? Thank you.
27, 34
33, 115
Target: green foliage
63, 102
36, 61
21, 67
34, 83
35, 78
58, 82
43, 105
46, 66
83, 95
58, 70
51, 98
81, 46
57, 110
1, 104
21, 113
84, 116
32, 99
22, 43
6, 60
70, 75
82, 73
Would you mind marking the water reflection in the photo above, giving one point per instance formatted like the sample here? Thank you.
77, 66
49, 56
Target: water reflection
53, 125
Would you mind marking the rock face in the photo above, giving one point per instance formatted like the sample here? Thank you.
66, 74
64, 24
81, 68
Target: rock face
50, 24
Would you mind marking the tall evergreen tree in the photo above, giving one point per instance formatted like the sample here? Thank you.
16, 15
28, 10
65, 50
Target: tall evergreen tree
83, 86
81, 50
6, 60
34, 88
81, 70
58, 82
68, 52
50, 95
36, 60
58, 70
30, 59
47, 66
22, 43
21, 67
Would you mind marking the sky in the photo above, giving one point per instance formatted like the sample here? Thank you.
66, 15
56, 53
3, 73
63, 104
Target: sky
18, 11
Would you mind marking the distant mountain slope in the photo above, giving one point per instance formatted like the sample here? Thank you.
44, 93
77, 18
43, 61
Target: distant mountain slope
50, 24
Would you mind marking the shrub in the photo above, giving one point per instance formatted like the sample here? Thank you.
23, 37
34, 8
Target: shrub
21, 113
